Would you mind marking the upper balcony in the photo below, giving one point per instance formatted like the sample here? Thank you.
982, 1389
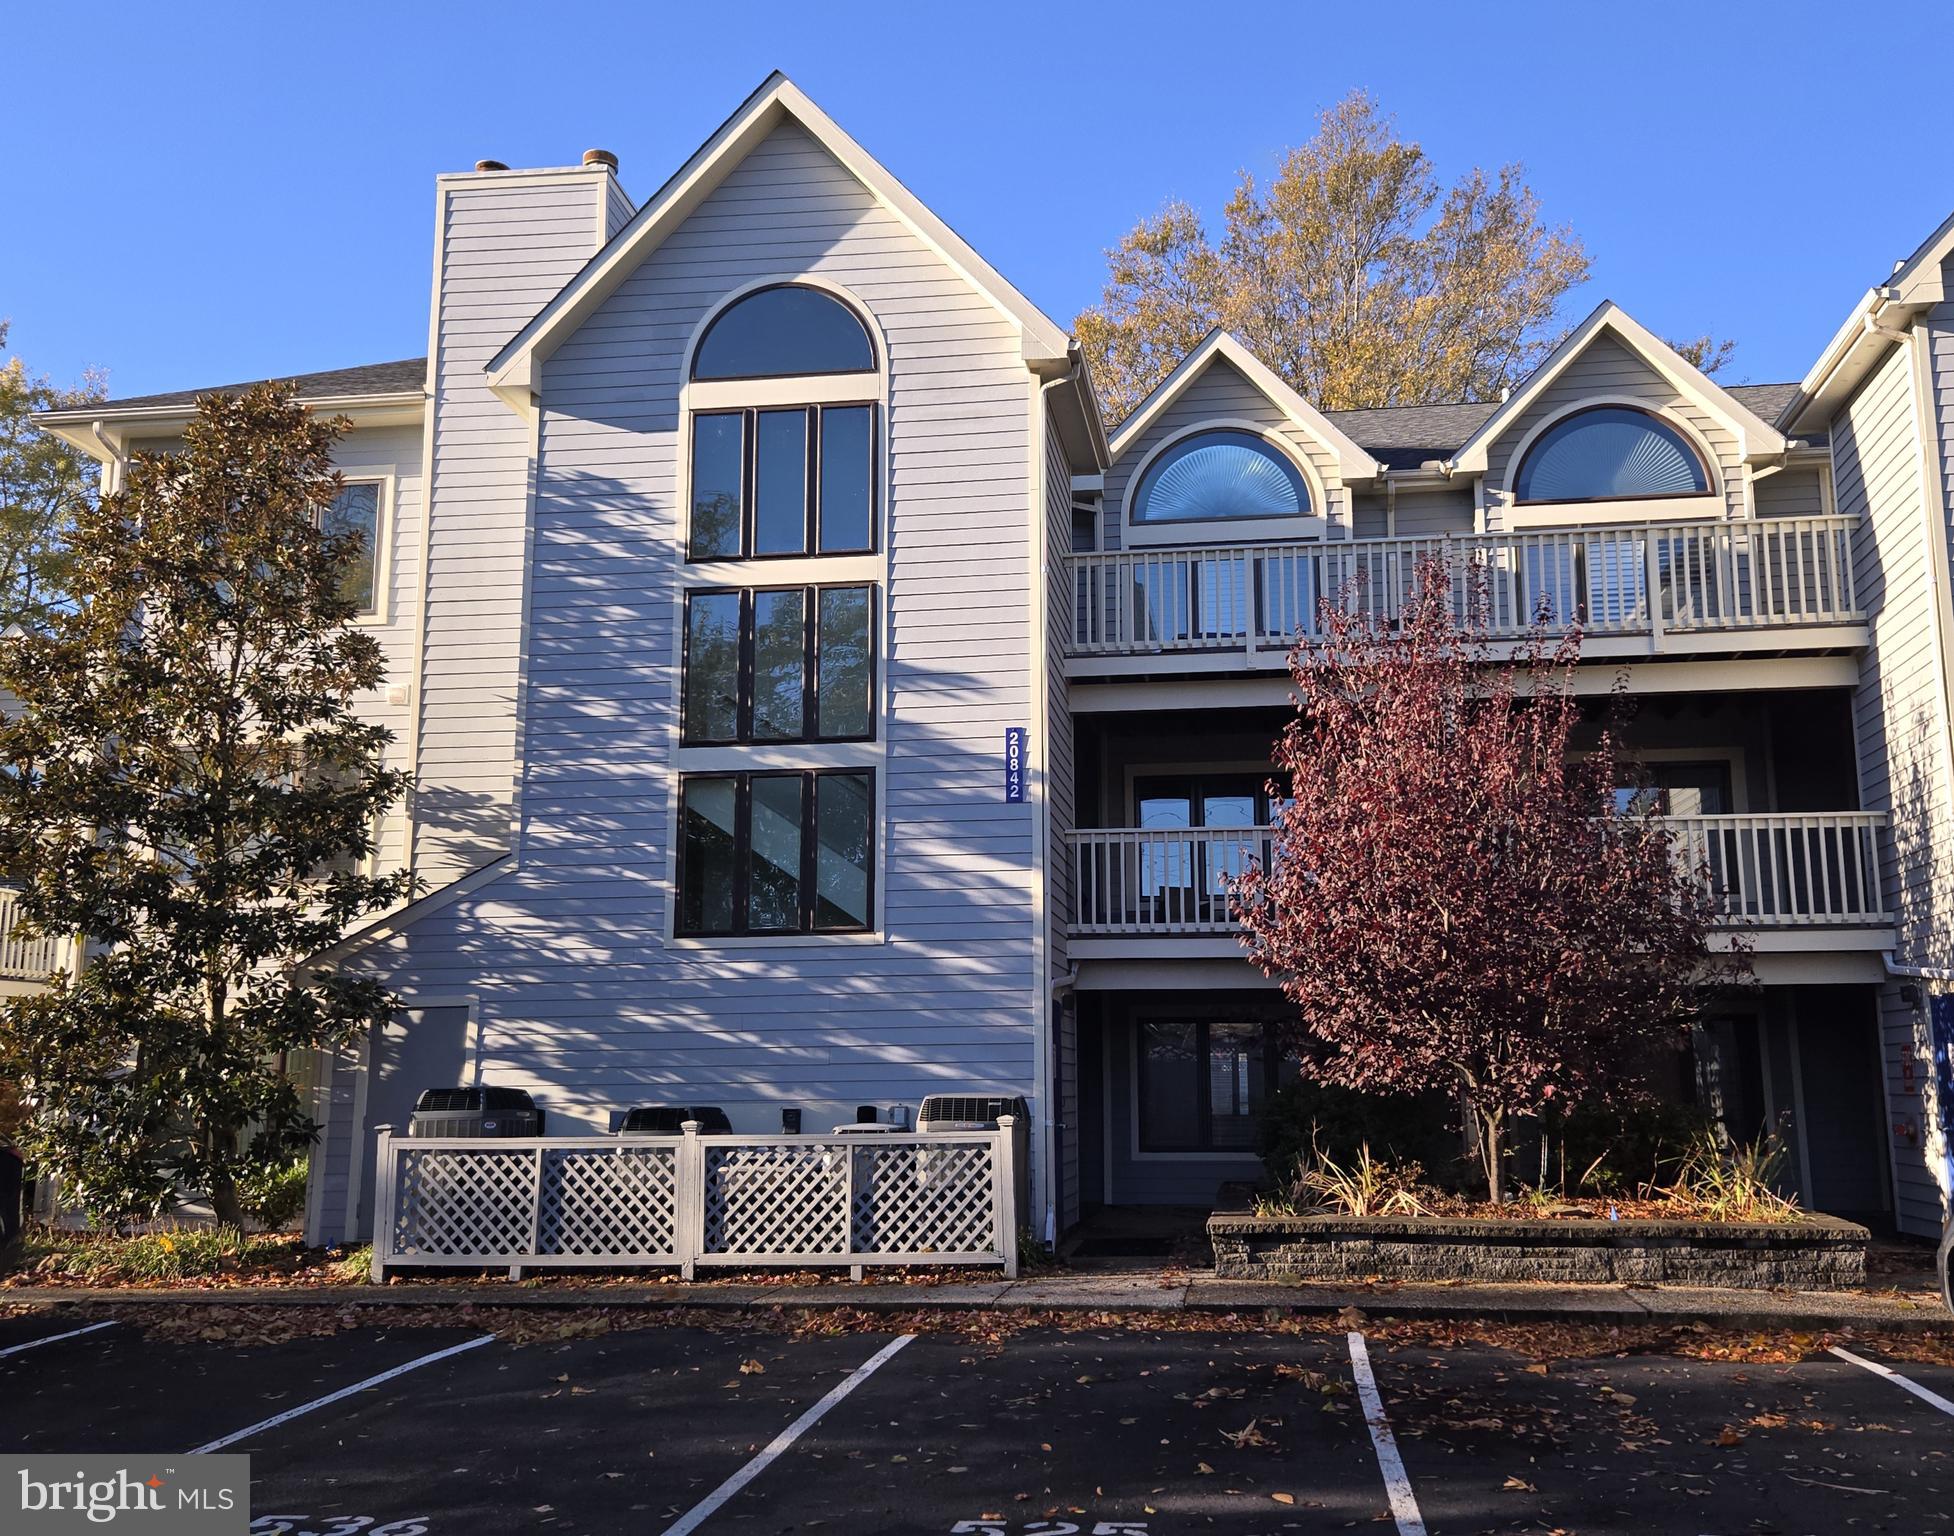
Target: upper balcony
1642, 590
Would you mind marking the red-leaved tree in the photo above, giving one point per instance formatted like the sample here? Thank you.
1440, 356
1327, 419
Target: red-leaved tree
1452, 902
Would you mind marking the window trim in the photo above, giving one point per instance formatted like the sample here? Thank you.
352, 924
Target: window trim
1203, 1019
379, 613
814, 410
743, 856
1311, 524
745, 665
1524, 450
733, 302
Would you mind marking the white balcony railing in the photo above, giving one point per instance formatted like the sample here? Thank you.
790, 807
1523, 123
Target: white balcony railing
23, 959
1644, 579
1770, 871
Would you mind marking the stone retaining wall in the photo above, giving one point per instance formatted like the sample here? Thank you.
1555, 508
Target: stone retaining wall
1817, 1254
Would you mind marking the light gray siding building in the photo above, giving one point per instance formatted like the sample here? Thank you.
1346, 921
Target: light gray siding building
812, 707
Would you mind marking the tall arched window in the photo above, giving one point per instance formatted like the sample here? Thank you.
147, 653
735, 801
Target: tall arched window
782, 413
796, 475
1217, 477
1610, 453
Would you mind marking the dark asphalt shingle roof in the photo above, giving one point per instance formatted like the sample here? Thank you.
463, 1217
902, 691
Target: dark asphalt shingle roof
409, 373
1399, 436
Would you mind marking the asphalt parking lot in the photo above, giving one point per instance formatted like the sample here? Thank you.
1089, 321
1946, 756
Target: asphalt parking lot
1114, 1431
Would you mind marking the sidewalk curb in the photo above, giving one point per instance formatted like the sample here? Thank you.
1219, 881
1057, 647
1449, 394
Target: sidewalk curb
1611, 1308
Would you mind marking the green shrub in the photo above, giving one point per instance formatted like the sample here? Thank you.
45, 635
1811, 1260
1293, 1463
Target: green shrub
1305, 1121
165, 1255
272, 1196
1612, 1150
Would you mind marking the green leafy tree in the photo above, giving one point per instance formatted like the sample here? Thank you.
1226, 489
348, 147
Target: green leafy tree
1353, 273
189, 786
44, 484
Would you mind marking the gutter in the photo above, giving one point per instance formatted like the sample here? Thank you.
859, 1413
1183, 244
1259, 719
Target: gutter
1914, 972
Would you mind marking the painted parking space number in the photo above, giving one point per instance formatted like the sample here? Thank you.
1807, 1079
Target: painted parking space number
338, 1525
1049, 1528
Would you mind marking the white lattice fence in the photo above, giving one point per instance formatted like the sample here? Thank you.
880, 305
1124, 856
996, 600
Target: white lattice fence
689, 1200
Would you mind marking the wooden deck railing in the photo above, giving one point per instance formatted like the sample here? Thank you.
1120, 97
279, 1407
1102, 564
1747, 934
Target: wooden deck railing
1643, 579
1770, 871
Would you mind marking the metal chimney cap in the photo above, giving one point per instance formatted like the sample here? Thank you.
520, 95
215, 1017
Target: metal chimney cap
490, 165
601, 157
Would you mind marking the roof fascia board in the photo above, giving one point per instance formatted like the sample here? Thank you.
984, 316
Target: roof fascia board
97, 431
1353, 463
777, 100
1756, 438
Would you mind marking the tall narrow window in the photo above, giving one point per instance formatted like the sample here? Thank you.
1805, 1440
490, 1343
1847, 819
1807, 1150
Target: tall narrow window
718, 485
845, 664
780, 702
776, 853
712, 666
356, 510
847, 502
708, 849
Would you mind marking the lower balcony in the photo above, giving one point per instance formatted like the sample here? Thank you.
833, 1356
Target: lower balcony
1780, 872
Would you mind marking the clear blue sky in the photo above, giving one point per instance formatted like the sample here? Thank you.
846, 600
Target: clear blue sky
194, 195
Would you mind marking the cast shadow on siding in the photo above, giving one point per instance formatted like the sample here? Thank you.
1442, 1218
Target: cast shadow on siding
582, 997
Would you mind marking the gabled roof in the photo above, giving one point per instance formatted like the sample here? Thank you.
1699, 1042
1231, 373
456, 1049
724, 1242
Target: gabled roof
1917, 283
1354, 463
512, 372
1755, 436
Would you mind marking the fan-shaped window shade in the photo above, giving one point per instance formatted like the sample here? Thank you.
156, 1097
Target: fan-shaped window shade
777, 332
1610, 453
1217, 476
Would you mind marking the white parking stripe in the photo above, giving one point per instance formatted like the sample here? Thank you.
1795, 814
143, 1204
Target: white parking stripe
344, 1392
55, 1338
1896, 1378
697, 1514
1404, 1506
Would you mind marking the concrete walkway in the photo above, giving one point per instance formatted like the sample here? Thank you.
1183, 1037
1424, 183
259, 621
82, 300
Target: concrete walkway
1123, 1291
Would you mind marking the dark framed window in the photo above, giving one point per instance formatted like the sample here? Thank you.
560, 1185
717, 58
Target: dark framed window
783, 331
777, 664
1610, 453
776, 853
1202, 1083
798, 480
356, 509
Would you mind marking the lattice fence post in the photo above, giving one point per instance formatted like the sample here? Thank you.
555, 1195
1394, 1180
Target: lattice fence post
537, 1174
689, 1233
1004, 1198
855, 1270
385, 1198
